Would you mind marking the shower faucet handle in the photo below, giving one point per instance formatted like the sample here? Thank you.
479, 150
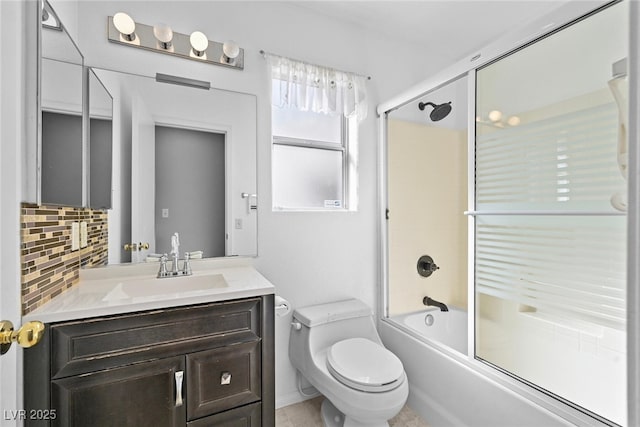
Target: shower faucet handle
426, 266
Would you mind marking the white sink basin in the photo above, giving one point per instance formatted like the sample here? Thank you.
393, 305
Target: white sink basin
151, 287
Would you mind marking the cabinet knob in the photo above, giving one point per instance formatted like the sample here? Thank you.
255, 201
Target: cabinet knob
225, 378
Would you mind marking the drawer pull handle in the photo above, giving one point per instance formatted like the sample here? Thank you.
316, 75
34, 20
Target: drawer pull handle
179, 376
225, 378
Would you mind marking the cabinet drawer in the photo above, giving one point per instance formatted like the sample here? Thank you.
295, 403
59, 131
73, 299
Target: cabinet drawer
223, 378
101, 343
245, 416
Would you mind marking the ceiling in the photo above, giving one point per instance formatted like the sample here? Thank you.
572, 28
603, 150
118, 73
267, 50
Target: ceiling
449, 29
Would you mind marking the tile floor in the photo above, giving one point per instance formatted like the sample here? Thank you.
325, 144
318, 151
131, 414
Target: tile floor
307, 414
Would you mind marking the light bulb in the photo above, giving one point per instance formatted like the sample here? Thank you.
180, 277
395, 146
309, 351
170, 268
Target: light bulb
199, 42
125, 25
495, 115
231, 49
164, 34
513, 121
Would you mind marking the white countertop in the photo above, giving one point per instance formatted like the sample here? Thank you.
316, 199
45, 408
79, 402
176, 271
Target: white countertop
130, 288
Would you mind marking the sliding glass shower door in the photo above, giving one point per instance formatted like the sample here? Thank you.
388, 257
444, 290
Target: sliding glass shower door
550, 214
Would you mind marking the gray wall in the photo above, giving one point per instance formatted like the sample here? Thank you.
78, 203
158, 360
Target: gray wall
61, 159
190, 182
100, 141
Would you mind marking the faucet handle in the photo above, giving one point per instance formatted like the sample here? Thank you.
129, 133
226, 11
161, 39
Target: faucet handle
163, 266
186, 266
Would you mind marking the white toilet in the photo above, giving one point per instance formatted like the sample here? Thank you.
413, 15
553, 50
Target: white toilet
337, 349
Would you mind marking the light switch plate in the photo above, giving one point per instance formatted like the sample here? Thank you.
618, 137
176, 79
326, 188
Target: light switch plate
75, 236
84, 234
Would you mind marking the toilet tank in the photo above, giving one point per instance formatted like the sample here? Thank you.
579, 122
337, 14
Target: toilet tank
323, 325
320, 314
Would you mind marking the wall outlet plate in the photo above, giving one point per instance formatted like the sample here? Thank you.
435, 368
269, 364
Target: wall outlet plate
75, 236
84, 234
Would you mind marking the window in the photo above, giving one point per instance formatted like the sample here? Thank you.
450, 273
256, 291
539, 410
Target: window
314, 120
310, 160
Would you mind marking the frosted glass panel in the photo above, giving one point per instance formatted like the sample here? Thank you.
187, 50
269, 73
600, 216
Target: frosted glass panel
565, 162
306, 177
550, 233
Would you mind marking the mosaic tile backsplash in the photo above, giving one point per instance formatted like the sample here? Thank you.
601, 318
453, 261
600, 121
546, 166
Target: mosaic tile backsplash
49, 266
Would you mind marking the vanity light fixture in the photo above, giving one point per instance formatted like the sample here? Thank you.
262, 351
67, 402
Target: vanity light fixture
199, 43
125, 25
496, 118
230, 51
164, 34
122, 29
495, 115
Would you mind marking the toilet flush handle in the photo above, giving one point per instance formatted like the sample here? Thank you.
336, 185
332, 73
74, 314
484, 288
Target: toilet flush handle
296, 325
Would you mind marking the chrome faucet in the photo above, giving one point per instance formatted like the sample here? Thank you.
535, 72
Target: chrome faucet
430, 301
175, 257
175, 252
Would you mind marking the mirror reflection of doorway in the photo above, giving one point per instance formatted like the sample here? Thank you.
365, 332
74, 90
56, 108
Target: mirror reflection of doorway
190, 163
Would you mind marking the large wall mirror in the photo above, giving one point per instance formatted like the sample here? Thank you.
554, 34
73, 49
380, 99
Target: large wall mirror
184, 162
60, 159
100, 143
159, 158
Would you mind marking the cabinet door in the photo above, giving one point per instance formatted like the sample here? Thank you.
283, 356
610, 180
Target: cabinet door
147, 394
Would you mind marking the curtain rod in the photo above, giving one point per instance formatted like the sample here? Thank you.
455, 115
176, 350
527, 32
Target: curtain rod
264, 55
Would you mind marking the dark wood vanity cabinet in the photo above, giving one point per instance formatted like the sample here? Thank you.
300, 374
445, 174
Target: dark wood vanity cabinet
202, 365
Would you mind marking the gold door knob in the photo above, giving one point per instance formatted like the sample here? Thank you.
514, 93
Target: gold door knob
142, 246
27, 336
130, 247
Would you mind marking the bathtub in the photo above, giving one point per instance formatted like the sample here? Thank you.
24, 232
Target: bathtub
445, 327
449, 388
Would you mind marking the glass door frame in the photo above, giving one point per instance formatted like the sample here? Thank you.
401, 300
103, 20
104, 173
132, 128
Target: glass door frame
515, 40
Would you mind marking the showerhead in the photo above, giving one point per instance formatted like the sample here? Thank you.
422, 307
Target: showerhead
439, 111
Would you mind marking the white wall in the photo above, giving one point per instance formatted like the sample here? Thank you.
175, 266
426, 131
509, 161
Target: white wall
309, 257
14, 44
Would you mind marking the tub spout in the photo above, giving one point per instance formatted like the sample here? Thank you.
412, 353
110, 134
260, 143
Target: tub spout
430, 301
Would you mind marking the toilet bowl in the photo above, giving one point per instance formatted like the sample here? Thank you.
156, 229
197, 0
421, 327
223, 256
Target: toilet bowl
336, 347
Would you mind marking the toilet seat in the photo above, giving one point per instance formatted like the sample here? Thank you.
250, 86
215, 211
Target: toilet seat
364, 365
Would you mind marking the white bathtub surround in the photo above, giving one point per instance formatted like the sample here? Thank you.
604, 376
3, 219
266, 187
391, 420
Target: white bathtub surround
429, 221
557, 351
445, 327
447, 391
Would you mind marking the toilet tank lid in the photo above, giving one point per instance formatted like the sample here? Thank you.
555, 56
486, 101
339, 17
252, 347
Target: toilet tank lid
319, 314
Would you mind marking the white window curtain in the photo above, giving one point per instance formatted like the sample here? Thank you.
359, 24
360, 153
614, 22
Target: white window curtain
310, 87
